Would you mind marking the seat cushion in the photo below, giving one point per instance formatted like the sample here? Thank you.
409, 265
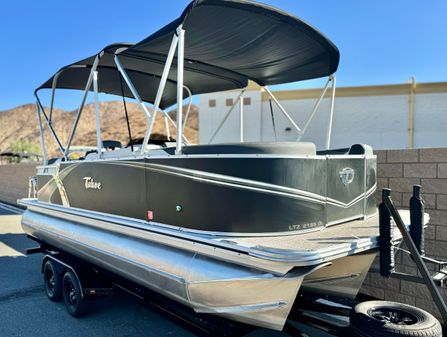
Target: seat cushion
280, 148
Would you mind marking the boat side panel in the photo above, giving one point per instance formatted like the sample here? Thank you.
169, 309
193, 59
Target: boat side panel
105, 186
205, 195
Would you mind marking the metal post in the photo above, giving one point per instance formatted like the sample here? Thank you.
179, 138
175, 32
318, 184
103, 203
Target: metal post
226, 116
168, 132
132, 87
59, 144
53, 92
161, 88
180, 65
137, 96
314, 110
188, 109
331, 114
241, 118
54, 85
283, 110
81, 107
411, 113
42, 138
98, 122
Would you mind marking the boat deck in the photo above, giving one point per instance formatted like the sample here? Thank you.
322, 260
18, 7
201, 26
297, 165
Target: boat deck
338, 240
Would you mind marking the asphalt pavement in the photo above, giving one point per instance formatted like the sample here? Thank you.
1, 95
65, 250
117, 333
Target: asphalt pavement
26, 311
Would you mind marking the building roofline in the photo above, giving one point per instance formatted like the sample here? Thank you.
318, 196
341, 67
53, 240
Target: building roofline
373, 90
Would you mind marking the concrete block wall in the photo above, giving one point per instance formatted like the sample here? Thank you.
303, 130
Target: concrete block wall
400, 170
14, 181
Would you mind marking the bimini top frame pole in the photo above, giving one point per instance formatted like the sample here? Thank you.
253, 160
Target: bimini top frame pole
161, 88
180, 68
151, 117
301, 132
281, 108
81, 106
315, 108
331, 114
50, 127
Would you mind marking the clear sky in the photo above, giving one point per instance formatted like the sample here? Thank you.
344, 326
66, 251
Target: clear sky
381, 41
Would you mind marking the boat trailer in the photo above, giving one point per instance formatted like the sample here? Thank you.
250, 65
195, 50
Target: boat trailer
79, 282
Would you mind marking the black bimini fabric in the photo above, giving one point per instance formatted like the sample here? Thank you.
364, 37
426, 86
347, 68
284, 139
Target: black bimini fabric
227, 43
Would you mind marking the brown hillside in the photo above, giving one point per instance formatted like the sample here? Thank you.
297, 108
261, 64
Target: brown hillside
21, 123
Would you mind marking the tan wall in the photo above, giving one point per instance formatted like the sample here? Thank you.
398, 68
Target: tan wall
14, 181
400, 170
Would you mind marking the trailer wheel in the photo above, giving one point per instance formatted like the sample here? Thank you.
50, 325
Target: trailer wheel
75, 304
52, 281
391, 319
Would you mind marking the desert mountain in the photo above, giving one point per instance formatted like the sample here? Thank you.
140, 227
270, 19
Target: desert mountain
22, 123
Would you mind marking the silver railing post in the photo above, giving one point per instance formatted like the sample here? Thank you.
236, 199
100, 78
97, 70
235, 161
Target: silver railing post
42, 138
283, 110
81, 107
53, 92
241, 118
314, 110
222, 122
180, 66
98, 122
161, 88
132, 87
188, 109
59, 144
331, 114
137, 96
168, 132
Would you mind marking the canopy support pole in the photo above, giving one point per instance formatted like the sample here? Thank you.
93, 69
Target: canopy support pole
54, 85
241, 118
59, 144
226, 116
81, 107
53, 92
331, 113
137, 96
180, 67
314, 110
161, 88
168, 131
132, 87
98, 122
283, 110
42, 138
188, 109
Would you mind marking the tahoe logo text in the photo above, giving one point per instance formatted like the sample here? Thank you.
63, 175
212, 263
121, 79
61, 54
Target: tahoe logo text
89, 183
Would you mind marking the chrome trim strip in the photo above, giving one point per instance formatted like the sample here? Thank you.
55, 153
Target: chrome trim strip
242, 308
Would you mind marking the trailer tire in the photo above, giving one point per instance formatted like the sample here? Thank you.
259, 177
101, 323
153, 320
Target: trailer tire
391, 319
71, 291
52, 281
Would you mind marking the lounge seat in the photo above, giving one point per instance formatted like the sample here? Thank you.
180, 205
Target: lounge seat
280, 148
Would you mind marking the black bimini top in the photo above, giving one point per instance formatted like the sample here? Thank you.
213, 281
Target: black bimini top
227, 43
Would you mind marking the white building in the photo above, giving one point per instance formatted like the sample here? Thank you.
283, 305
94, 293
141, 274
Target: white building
376, 115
